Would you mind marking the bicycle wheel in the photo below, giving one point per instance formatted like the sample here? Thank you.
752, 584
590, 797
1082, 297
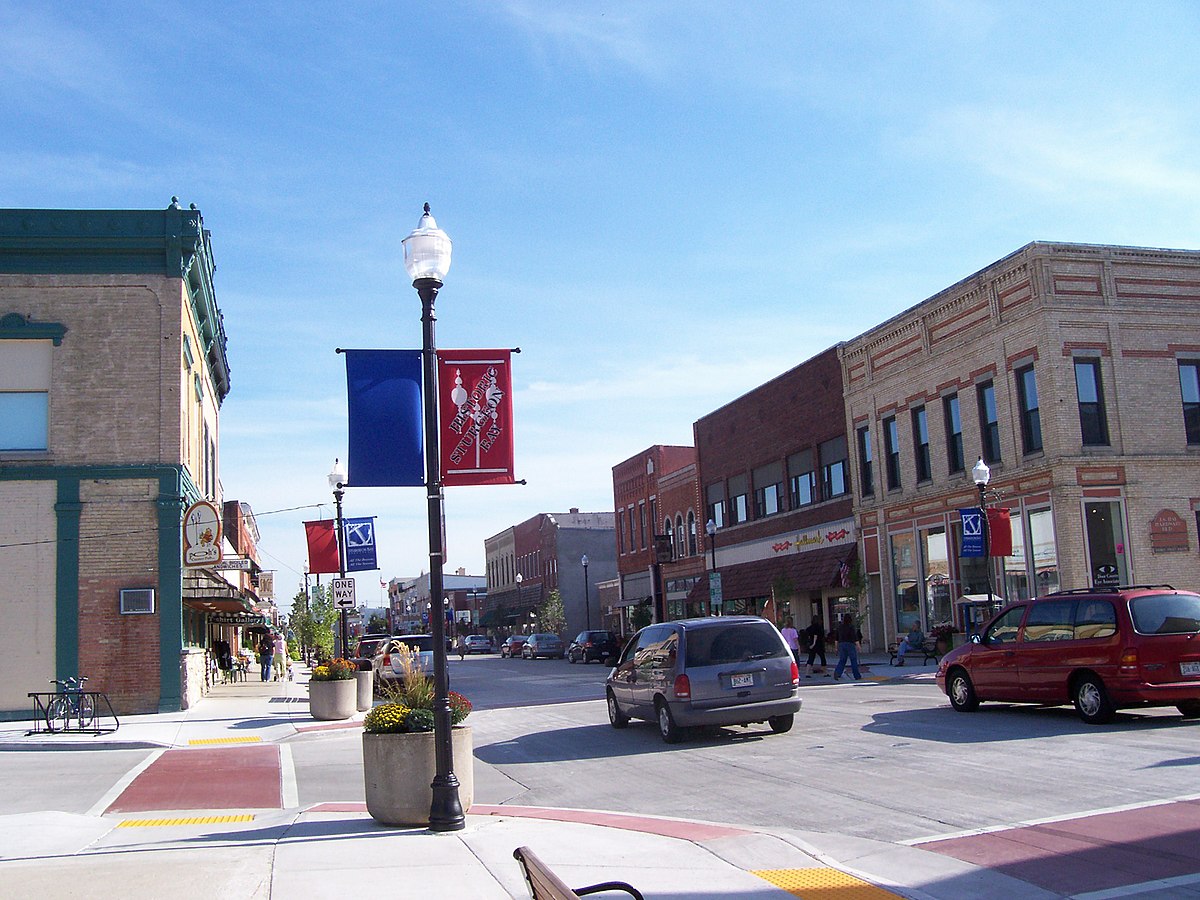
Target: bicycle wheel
87, 710
58, 714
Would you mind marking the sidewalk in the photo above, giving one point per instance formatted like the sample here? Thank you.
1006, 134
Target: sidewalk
321, 850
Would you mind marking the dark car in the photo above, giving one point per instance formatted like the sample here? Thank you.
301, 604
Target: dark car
511, 647
589, 645
549, 646
1101, 649
368, 644
723, 670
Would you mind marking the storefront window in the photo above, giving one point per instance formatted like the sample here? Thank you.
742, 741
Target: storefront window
1016, 572
904, 579
935, 564
1045, 557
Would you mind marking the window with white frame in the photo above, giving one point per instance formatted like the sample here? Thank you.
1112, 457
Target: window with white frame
25, 394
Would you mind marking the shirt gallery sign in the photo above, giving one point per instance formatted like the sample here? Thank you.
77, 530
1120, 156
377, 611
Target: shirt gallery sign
815, 538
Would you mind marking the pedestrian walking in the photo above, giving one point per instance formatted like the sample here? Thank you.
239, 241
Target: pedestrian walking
462, 646
279, 659
815, 639
848, 637
792, 637
266, 649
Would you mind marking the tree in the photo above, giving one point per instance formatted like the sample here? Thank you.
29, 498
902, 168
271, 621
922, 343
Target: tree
551, 615
640, 615
313, 622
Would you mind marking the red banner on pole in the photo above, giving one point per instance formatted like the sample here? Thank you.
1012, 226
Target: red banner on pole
1000, 542
322, 547
475, 417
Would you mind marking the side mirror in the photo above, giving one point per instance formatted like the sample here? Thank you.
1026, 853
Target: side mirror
976, 639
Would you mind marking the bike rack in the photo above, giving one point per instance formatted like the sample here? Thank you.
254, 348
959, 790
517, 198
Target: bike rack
41, 708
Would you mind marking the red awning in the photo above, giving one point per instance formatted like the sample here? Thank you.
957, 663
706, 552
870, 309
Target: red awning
814, 570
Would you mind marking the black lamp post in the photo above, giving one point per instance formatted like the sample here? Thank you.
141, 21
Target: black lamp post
337, 482
427, 259
710, 528
982, 475
587, 597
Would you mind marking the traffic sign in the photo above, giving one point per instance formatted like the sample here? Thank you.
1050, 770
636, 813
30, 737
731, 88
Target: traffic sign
343, 592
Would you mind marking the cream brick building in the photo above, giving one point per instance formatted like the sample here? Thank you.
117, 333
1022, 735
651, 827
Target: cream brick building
112, 371
1073, 370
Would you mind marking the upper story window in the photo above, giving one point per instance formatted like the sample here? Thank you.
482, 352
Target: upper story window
714, 496
768, 490
866, 473
834, 482
989, 422
642, 523
891, 452
1093, 421
25, 394
1189, 389
669, 533
1031, 419
680, 541
691, 532
739, 499
920, 428
802, 485
954, 438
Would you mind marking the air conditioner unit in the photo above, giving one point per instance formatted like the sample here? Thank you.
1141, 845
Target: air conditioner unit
137, 601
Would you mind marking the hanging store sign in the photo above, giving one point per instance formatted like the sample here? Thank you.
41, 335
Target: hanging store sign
201, 535
236, 619
232, 565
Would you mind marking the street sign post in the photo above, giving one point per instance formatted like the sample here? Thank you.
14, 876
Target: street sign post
343, 592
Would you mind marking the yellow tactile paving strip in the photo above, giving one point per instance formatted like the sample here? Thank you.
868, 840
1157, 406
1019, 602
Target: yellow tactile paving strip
199, 742
822, 884
189, 820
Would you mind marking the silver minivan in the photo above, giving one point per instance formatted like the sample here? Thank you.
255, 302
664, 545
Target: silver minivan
724, 670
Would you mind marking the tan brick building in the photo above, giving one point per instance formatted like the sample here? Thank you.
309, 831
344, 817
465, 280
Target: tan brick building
1073, 371
112, 371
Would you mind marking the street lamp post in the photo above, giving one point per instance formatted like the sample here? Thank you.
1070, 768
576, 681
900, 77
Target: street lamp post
587, 598
427, 259
982, 475
710, 528
337, 482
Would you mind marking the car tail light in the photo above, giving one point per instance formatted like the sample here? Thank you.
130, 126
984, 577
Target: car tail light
795, 674
1129, 659
683, 688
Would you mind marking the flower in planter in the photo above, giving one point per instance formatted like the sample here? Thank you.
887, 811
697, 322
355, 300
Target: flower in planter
389, 718
943, 630
409, 706
334, 670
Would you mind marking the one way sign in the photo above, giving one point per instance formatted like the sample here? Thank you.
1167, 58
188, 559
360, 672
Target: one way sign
343, 592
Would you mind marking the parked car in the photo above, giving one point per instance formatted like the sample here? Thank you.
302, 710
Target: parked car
387, 664
479, 643
365, 651
1101, 649
546, 645
589, 645
511, 647
724, 670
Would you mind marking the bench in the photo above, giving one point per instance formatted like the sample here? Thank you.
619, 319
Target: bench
928, 650
545, 885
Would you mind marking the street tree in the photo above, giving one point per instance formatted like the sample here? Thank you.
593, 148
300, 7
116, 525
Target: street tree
551, 615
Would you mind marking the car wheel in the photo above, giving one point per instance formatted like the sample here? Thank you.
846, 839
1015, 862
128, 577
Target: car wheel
961, 692
571, 658
670, 732
1091, 701
616, 718
780, 724
1189, 710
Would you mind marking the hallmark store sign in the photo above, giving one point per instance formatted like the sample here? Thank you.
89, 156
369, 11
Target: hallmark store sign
830, 534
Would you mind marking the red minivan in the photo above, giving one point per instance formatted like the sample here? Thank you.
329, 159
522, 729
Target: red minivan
1101, 649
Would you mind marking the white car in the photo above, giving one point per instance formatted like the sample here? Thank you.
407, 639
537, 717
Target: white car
388, 664
479, 643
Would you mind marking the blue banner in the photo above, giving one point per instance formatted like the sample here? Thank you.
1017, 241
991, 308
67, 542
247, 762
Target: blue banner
383, 394
360, 544
972, 532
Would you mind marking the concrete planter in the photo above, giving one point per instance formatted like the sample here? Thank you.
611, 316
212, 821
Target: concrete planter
366, 697
398, 770
332, 700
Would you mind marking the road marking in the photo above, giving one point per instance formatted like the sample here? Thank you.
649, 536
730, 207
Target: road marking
830, 883
288, 789
190, 820
1145, 887
119, 788
208, 742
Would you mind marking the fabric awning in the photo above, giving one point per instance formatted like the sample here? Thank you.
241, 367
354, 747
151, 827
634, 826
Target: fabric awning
815, 570
208, 593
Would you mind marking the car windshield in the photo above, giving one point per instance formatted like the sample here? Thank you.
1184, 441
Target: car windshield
736, 642
417, 642
1166, 613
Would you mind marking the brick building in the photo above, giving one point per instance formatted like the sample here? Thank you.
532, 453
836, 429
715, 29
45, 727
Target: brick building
656, 494
774, 468
1072, 370
527, 561
112, 371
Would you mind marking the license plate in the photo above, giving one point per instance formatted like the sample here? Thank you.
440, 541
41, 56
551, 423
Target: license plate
740, 681
1189, 668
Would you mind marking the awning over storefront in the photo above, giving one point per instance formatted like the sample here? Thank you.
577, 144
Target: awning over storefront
209, 593
815, 570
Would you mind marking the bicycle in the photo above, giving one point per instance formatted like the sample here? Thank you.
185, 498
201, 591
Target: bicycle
71, 702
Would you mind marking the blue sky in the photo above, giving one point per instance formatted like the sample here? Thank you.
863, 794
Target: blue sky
663, 204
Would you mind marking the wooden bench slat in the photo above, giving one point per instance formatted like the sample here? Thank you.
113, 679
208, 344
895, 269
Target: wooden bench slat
543, 883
